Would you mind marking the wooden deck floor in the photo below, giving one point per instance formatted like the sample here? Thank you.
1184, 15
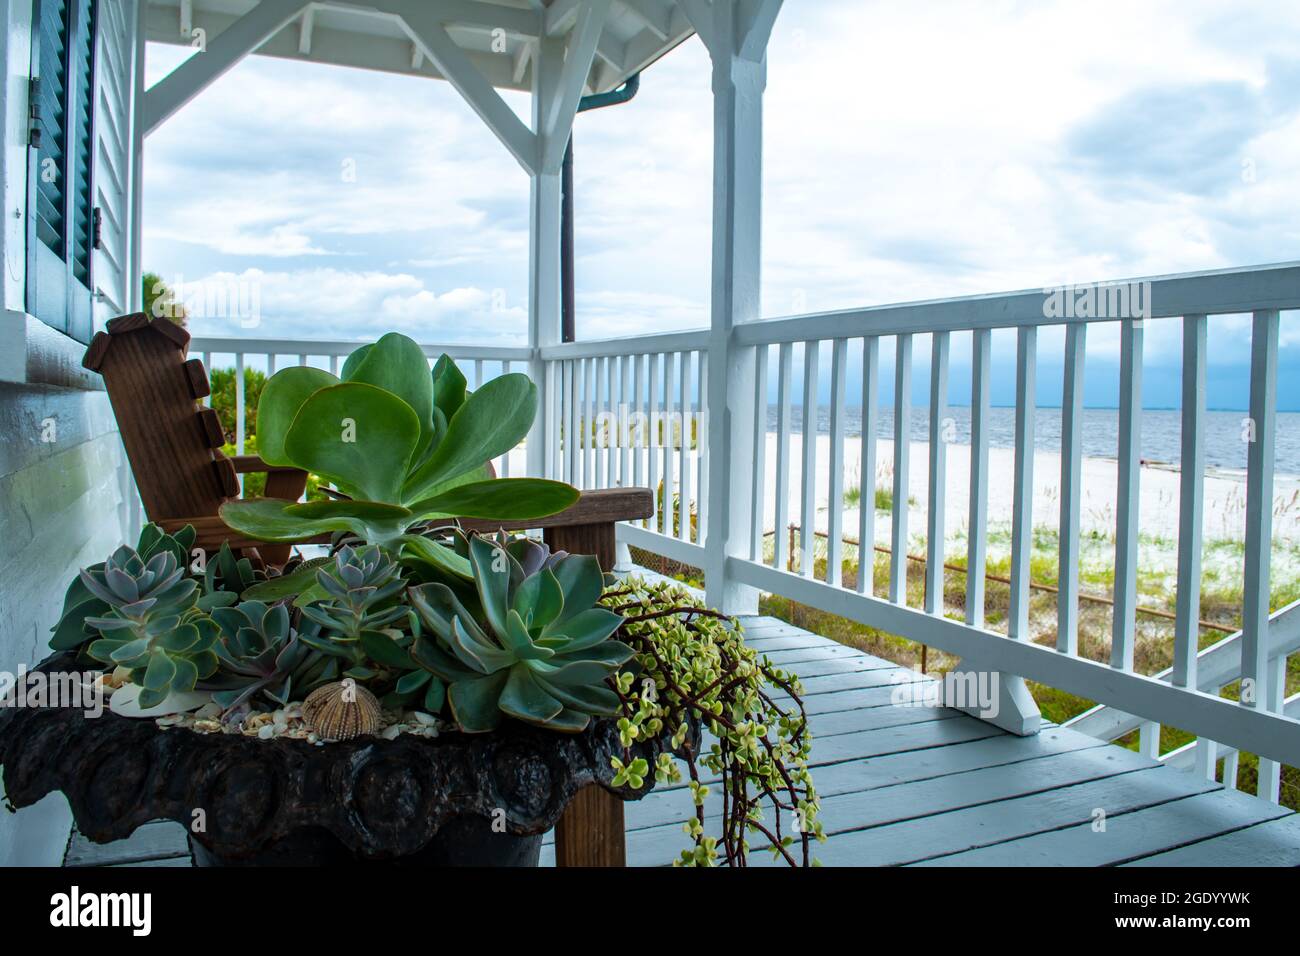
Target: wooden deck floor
933, 787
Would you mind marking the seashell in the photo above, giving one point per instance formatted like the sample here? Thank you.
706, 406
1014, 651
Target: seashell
342, 711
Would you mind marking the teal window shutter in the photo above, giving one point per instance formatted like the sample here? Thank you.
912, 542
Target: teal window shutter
61, 214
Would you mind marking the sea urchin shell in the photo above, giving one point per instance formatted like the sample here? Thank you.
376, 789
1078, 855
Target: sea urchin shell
342, 711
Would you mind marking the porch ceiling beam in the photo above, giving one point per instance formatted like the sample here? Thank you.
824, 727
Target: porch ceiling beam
578, 56
422, 25
521, 60
561, 15
305, 30
222, 52
657, 16
484, 17
700, 13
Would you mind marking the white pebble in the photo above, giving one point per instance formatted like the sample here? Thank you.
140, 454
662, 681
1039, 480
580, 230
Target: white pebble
266, 732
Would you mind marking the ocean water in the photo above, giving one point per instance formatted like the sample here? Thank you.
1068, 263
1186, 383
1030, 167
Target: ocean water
1225, 445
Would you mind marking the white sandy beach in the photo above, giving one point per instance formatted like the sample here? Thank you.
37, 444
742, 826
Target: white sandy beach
1224, 509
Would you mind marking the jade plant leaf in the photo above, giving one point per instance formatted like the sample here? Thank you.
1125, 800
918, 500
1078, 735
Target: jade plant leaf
358, 435
397, 365
504, 499
282, 396
448, 386
491, 422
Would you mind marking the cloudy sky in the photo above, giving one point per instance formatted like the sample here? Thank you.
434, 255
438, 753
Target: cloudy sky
913, 151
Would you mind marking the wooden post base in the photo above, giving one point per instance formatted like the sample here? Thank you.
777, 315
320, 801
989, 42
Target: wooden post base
591, 831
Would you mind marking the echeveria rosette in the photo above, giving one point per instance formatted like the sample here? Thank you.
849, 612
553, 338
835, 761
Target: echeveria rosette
540, 653
152, 623
403, 444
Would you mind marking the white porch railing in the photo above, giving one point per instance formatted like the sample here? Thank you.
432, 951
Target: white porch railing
634, 411
642, 374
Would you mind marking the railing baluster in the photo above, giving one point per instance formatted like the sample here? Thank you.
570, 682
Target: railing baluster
683, 453
935, 526
867, 475
758, 491
624, 406
478, 373
602, 428
1262, 428
1269, 786
902, 461
835, 495
784, 385
589, 426
1230, 768
701, 459
1067, 599
1191, 503
1124, 626
1022, 514
655, 420
334, 365
599, 444
638, 429
548, 417
239, 405
977, 533
670, 439
808, 473
570, 424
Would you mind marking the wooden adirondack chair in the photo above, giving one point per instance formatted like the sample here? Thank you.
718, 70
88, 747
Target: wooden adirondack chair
174, 446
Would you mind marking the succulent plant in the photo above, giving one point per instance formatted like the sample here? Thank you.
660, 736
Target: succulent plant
541, 651
399, 443
260, 652
356, 609
228, 576
152, 624
80, 602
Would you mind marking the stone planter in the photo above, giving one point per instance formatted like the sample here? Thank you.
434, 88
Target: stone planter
457, 799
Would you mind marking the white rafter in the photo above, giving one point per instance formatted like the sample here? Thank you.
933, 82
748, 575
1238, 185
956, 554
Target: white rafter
305, 29
700, 13
223, 51
657, 15
421, 24
579, 52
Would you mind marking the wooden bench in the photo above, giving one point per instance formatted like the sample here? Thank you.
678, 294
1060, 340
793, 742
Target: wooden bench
174, 446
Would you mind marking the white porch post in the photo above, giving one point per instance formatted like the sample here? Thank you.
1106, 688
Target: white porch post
544, 253
735, 33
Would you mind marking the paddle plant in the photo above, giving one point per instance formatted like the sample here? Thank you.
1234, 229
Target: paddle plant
400, 445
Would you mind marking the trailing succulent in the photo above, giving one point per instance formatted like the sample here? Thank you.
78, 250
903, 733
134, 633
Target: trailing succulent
693, 671
540, 651
400, 445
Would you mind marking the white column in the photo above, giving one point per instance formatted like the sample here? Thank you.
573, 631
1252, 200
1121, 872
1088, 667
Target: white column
739, 79
544, 251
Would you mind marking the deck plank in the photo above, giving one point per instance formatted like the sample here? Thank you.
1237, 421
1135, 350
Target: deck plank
152, 841
911, 841
1127, 836
1274, 843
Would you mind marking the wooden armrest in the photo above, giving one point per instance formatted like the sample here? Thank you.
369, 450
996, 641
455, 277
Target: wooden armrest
244, 464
